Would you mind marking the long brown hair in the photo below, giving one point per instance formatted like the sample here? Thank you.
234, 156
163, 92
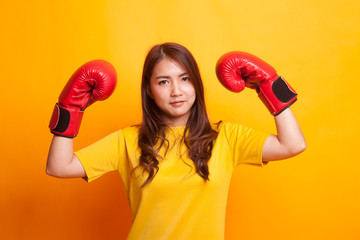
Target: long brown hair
198, 135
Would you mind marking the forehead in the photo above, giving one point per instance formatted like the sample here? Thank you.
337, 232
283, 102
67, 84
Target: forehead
168, 66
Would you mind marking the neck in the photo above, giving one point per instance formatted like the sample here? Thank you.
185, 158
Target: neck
176, 122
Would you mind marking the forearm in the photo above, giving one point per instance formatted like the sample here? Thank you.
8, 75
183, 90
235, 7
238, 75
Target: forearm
289, 140
289, 133
61, 160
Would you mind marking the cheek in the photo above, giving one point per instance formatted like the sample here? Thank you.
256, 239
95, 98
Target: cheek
191, 90
157, 94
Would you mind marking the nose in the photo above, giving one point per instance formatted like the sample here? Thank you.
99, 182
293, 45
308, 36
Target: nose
176, 89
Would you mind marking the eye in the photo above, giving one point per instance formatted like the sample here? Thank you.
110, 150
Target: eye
185, 78
163, 82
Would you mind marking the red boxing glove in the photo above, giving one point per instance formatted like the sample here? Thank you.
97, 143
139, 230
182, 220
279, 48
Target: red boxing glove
235, 70
93, 81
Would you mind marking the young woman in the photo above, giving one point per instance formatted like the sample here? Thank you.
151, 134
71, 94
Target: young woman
176, 166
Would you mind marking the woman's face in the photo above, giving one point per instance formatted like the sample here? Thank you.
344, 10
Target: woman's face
172, 90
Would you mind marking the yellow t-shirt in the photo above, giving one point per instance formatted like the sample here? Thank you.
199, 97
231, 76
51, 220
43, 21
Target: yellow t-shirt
177, 203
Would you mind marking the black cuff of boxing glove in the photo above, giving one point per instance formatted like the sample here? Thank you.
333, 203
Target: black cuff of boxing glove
277, 95
282, 91
65, 121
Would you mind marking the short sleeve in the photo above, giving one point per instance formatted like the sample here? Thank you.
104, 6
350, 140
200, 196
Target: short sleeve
246, 144
101, 157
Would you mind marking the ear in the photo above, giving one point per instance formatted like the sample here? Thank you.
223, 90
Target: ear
148, 91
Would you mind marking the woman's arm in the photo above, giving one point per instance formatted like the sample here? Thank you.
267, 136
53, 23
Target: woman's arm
289, 140
235, 70
94, 80
61, 160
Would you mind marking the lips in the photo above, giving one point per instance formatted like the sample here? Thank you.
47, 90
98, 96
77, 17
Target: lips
177, 103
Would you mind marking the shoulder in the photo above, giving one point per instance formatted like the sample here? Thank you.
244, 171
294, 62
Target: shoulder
131, 129
231, 130
226, 126
130, 132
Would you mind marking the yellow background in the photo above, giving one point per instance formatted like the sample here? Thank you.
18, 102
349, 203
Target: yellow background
314, 45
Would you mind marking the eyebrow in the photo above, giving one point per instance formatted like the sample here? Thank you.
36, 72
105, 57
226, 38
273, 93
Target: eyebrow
167, 77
